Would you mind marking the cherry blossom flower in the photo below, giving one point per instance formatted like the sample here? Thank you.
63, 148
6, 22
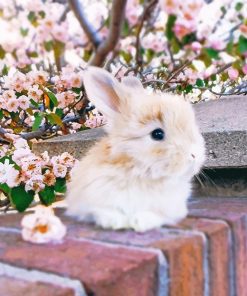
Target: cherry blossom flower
233, 73
49, 178
42, 226
59, 170
12, 105
35, 93
66, 159
35, 183
24, 102
8, 174
9, 94
245, 69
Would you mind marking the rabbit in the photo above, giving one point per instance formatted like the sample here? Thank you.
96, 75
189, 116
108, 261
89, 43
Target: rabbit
138, 175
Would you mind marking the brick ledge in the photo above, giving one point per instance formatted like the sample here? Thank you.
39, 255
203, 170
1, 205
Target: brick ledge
205, 254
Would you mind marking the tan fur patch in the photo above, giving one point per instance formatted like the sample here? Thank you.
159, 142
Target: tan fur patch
158, 151
152, 115
121, 160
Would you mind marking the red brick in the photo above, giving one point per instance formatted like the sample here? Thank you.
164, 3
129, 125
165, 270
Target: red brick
183, 251
14, 287
103, 269
217, 233
234, 212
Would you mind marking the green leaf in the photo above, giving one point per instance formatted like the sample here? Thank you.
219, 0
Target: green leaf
52, 98
60, 185
42, 14
199, 82
188, 88
54, 119
77, 90
187, 39
5, 70
229, 47
127, 56
212, 53
20, 198
125, 29
48, 45
32, 18
59, 112
169, 26
37, 121
47, 195
2, 53
175, 45
239, 6
34, 103
24, 32
5, 188
242, 44
33, 54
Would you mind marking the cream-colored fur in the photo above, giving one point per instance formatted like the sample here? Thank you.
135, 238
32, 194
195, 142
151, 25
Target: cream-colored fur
129, 180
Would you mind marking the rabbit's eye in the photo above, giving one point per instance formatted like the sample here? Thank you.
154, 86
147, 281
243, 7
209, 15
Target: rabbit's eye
158, 134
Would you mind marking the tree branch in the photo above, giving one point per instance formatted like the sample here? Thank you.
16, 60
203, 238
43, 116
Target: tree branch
90, 31
117, 17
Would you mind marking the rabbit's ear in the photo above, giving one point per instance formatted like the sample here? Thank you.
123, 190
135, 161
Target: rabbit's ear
102, 90
133, 82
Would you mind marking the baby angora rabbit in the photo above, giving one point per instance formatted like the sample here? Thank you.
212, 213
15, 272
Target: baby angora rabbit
138, 176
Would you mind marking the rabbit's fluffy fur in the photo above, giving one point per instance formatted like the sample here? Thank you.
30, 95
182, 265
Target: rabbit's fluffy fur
128, 179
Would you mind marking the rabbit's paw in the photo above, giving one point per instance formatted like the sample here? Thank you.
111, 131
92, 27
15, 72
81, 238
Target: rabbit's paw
111, 219
143, 221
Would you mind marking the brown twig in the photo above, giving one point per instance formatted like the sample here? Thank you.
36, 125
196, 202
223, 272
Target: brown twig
106, 46
146, 13
90, 31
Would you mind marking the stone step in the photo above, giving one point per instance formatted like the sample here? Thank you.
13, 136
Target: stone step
223, 123
205, 254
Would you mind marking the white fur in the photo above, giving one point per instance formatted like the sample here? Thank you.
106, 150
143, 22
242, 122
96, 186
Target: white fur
128, 180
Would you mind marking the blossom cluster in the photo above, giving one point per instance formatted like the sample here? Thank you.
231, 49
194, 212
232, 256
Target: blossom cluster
21, 169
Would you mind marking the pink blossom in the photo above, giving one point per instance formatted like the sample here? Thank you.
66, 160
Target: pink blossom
95, 121
24, 102
9, 94
8, 174
42, 226
60, 33
59, 170
21, 153
196, 46
35, 93
35, 183
67, 160
183, 28
38, 77
75, 125
2, 103
75, 80
156, 42
12, 105
21, 143
209, 71
243, 30
245, 69
45, 157
233, 73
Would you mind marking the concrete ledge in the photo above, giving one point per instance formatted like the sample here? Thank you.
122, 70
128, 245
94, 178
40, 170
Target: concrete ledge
223, 123
204, 255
